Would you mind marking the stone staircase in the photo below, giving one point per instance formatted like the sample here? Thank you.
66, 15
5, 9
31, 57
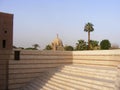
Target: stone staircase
75, 77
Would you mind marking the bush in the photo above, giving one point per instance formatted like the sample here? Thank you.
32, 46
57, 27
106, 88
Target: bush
48, 47
105, 44
68, 48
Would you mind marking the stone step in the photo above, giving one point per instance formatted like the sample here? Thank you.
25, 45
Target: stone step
94, 81
61, 85
89, 74
92, 69
108, 81
108, 73
35, 83
80, 84
53, 84
91, 80
46, 85
71, 84
75, 77
41, 83
99, 69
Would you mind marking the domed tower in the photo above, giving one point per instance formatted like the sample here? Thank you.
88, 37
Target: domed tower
57, 44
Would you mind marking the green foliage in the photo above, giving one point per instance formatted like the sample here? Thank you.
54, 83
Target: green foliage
68, 48
105, 44
48, 47
94, 44
89, 27
14, 47
81, 45
35, 46
30, 48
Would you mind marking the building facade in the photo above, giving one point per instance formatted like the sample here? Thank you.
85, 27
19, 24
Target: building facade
6, 31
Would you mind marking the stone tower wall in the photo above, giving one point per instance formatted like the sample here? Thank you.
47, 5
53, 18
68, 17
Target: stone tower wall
6, 31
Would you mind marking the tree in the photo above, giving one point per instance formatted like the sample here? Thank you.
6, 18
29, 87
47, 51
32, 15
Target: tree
35, 46
21, 48
94, 44
68, 48
89, 28
48, 47
105, 44
81, 45
30, 48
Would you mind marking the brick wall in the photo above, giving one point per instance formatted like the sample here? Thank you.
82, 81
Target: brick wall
6, 31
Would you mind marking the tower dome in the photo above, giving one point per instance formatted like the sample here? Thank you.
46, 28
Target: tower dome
57, 41
57, 44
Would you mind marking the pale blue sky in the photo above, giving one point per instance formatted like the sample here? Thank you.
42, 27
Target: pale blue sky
38, 21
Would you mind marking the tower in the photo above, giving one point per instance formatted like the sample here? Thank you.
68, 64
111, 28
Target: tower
57, 44
6, 31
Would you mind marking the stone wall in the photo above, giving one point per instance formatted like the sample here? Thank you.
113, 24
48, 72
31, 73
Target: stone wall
100, 57
118, 79
32, 63
17, 73
4, 58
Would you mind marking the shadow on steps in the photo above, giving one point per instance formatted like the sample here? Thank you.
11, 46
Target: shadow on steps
75, 77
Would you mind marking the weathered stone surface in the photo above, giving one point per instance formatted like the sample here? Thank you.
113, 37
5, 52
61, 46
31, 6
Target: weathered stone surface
75, 77
32, 63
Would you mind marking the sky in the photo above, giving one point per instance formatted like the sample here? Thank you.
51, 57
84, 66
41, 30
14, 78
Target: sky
39, 21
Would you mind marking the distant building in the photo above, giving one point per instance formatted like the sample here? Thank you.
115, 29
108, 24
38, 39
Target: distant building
57, 44
6, 31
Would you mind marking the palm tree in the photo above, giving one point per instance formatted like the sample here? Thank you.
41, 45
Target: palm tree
81, 45
89, 28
